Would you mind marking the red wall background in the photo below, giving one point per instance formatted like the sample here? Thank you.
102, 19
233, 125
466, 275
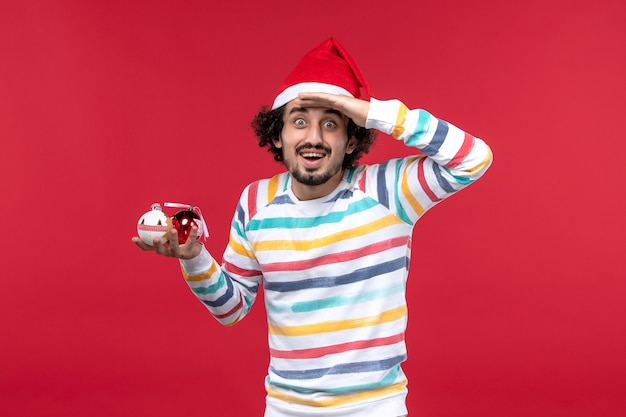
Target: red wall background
107, 107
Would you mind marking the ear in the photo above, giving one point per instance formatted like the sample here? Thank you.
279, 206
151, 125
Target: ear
351, 145
278, 143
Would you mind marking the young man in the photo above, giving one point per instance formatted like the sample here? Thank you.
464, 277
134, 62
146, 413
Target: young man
330, 240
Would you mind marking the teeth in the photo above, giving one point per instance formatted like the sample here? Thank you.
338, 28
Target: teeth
312, 155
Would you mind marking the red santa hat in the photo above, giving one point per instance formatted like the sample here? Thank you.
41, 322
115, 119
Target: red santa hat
328, 68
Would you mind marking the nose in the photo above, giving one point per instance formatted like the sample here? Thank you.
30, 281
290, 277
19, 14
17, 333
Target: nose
314, 135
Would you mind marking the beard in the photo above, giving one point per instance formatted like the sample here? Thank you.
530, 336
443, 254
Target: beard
311, 177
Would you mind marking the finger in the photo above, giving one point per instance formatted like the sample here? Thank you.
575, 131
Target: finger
141, 244
355, 109
315, 96
193, 235
174, 247
159, 247
164, 247
186, 248
192, 246
318, 100
349, 106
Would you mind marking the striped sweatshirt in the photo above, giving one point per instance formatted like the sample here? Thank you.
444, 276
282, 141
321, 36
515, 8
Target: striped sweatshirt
334, 269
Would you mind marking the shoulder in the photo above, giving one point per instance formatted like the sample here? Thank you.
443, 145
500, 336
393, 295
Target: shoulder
262, 192
376, 177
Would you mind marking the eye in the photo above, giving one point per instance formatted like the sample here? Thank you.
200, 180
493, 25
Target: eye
299, 122
329, 124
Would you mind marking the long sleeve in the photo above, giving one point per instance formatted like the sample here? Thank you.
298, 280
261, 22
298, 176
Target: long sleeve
450, 159
230, 289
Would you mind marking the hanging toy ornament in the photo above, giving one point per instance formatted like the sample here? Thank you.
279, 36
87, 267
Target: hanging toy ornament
187, 218
153, 224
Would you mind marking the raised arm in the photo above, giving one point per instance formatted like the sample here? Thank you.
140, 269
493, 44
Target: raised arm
449, 158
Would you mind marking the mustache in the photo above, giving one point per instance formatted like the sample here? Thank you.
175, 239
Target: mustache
312, 147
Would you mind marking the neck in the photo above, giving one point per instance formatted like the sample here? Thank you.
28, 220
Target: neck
306, 192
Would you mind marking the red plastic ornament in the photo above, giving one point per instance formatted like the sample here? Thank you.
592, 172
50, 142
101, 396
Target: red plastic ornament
183, 221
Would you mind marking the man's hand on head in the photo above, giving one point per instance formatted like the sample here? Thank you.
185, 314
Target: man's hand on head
354, 108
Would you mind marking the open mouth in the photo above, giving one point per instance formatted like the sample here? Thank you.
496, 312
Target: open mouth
312, 159
312, 156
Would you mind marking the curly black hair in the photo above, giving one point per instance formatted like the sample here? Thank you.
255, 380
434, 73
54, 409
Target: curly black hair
268, 124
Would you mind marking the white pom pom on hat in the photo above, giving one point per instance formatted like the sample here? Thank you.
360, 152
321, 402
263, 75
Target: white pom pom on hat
327, 68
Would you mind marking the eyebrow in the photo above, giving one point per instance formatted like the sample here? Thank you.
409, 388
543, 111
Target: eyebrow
305, 110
